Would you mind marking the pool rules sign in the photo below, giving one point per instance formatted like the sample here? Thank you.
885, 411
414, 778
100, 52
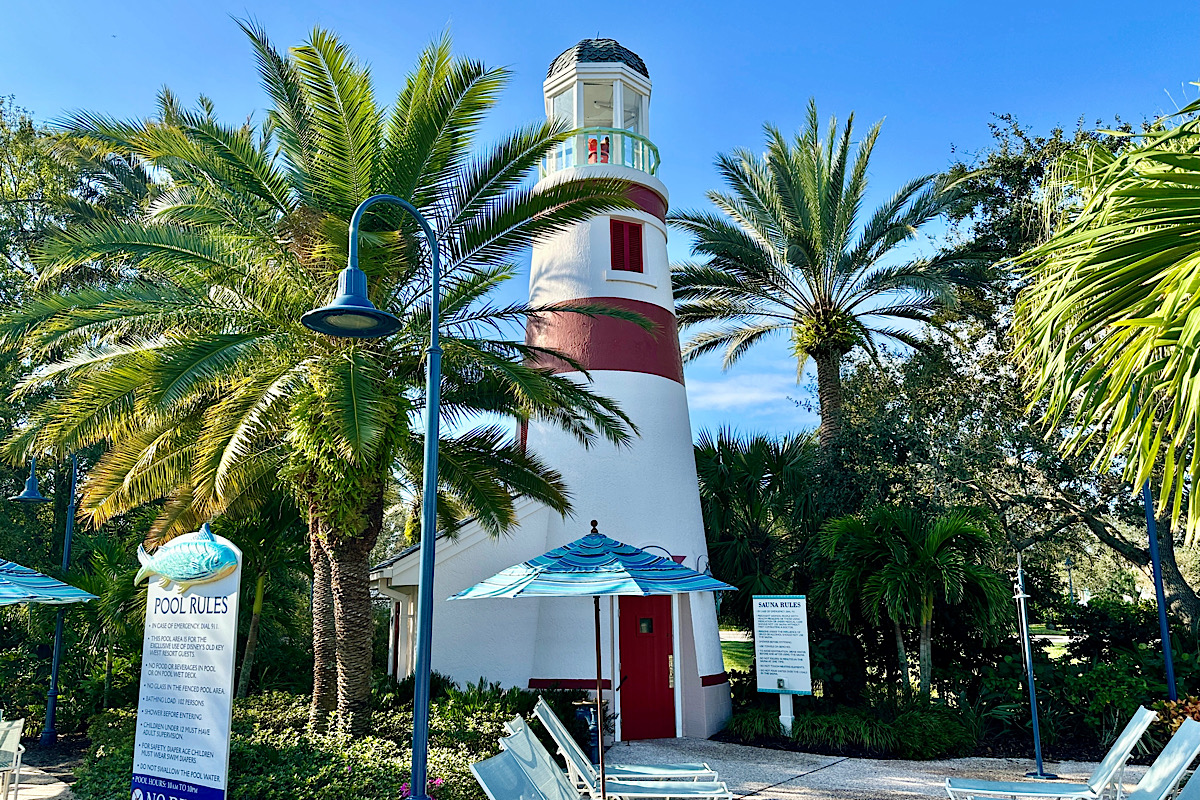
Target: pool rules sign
181, 750
781, 653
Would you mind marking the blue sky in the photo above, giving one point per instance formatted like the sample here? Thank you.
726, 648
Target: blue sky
936, 71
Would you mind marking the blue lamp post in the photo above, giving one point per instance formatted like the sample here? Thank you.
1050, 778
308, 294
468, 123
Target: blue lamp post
32, 495
352, 315
1027, 646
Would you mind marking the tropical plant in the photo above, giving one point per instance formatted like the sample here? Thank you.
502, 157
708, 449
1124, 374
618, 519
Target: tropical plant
897, 562
183, 348
790, 253
274, 549
1106, 324
756, 494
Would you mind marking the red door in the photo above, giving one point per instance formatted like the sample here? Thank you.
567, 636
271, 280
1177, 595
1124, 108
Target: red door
647, 689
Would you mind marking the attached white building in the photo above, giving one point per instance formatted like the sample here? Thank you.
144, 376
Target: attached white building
672, 681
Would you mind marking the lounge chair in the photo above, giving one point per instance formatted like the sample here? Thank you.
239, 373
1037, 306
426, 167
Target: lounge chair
1109, 774
581, 769
10, 756
1156, 784
545, 773
502, 778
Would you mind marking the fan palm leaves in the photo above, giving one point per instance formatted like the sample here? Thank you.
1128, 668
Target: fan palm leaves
179, 343
790, 251
1107, 322
897, 562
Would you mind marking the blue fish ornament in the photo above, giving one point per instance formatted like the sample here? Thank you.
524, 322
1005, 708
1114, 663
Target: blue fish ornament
188, 561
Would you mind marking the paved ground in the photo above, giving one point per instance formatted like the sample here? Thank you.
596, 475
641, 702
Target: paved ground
39, 785
781, 775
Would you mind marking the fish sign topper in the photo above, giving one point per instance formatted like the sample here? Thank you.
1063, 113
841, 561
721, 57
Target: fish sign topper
188, 560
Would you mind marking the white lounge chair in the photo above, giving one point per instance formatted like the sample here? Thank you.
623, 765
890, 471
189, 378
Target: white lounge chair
545, 773
502, 778
1156, 784
581, 769
10, 756
1109, 774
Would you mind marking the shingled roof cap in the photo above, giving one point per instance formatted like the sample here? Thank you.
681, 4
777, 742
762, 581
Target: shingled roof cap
597, 51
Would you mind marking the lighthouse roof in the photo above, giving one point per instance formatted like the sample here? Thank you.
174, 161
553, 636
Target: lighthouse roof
597, 51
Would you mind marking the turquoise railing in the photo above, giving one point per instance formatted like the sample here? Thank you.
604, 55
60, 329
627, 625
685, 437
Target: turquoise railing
602, 146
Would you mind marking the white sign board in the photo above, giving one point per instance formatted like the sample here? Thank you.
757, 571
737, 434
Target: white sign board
185, 705
781, 644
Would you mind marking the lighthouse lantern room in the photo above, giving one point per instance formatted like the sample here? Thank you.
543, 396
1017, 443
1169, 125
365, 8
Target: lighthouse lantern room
663, 653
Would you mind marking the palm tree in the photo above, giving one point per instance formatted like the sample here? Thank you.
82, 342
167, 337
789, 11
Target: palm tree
183, 349
757, 500
1106, 323
790, 253
116, 616
898, 562
273, 546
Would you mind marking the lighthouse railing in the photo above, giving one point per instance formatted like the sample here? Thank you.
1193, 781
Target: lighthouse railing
602, 146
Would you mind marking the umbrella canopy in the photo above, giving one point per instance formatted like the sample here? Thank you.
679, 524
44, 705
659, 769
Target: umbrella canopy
594, 566
23, 585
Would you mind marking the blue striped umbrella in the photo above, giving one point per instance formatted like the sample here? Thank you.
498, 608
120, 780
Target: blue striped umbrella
23, 585
590, 567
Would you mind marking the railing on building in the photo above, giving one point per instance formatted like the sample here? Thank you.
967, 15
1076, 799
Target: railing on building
602, 146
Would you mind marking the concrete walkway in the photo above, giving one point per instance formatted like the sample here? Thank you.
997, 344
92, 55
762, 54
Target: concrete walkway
39, 785
782, 775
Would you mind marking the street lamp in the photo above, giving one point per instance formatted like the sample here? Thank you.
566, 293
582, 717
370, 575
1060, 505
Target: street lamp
352, 315
32, 495
1023, 621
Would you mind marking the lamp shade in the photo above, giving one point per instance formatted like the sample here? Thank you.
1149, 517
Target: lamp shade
31, 493
351, 314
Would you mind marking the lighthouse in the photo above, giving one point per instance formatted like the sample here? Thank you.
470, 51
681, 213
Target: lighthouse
663, 653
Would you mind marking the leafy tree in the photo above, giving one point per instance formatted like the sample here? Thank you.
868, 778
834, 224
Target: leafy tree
790, 253
183, 348
897, 562
1106, 323
757, 497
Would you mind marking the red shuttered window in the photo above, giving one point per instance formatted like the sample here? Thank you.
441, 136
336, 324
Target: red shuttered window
626, 245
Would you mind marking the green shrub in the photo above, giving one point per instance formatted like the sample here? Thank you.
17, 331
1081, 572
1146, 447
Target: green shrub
934, 732
755, 724
843, 731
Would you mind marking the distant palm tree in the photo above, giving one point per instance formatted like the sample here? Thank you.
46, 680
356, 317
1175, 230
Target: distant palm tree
898, 562
757, 500
790, 254
183, 350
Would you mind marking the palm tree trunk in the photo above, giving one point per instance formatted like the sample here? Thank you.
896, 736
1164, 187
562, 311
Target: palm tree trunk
901, 659
260, 586
829, 391
324, 698
926, 655
350, 578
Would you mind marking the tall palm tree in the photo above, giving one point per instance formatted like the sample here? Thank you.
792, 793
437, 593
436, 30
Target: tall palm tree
757, 500
1106, 323
791, 253
184, 351
898, 562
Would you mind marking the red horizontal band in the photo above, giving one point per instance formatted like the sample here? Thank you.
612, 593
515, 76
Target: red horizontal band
567, 683
608, 343
714, 680
648, 201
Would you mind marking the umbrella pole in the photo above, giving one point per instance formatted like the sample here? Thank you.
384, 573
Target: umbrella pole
599, 702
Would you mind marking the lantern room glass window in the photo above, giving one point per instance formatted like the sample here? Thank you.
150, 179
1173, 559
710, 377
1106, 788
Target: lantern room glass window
631, 119
562, 106
597, 104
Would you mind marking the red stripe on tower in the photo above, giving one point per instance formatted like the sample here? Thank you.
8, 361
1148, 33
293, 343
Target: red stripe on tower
608, 343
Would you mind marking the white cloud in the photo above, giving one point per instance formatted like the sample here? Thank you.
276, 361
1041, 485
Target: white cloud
744, 391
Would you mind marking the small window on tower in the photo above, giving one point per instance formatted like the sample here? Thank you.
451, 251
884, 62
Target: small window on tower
626, 245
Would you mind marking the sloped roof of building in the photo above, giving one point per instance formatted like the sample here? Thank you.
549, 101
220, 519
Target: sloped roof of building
597, 51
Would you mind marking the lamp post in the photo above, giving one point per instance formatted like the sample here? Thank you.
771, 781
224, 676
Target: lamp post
1023, 622
352, 315
1156, 568
32, 495
1070, 580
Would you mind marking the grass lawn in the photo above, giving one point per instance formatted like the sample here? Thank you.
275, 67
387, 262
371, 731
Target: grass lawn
738, 655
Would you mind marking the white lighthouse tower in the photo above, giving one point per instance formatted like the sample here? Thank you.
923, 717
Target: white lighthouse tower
664, 651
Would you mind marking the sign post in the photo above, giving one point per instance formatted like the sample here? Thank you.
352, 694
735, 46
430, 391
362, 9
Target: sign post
185, 704
781, 650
